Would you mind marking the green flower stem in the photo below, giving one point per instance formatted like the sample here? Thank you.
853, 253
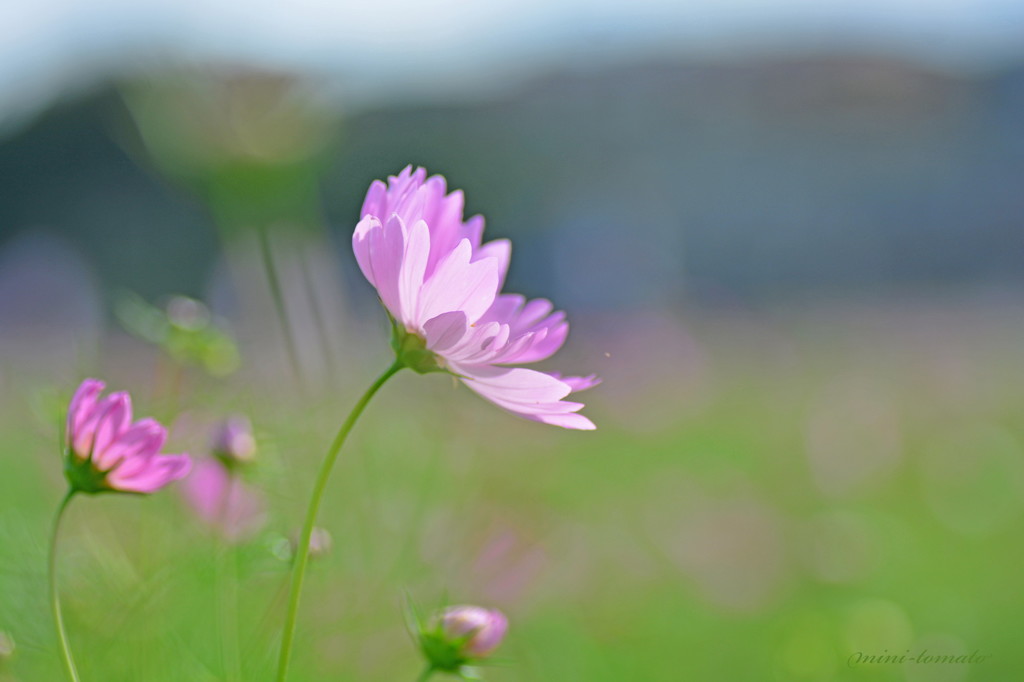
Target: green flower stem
277, 294
426, 674
62, 637
227, 591
301, 558
318, 317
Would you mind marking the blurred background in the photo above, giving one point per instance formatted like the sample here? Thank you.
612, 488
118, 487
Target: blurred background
789, 235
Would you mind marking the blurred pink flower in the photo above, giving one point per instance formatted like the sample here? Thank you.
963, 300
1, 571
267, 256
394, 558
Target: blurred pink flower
478, 631
441, 286
222, 501
106, 452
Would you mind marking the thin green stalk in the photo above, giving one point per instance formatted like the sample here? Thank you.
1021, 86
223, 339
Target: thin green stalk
318, 318
426, 674
227, 581
279, 306
301, 558
62, 637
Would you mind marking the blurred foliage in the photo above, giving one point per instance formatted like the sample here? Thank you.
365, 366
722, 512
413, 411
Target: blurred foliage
251, 143
789, 492
184, 329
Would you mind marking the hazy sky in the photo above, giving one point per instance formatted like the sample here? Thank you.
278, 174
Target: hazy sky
384, 47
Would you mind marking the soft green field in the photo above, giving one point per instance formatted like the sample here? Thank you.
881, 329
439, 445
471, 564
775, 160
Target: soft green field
768, 497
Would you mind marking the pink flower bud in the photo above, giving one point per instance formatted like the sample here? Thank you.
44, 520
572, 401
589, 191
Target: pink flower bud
320, 542
478, 631
233, 441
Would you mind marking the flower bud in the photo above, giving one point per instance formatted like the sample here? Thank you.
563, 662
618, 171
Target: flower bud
187, 313
479, 630
319, 542
459, 635
233, 442
284, 547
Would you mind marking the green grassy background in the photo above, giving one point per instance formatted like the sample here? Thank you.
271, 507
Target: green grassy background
768, 495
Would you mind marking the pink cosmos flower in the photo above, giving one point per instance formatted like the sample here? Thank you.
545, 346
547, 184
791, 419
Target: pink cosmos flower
441, 285
478, 630
223, 501
106, 452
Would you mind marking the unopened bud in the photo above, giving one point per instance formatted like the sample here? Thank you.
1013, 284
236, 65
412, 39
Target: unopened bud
479, 630
459, 635
319, 542
187, 313
233, 441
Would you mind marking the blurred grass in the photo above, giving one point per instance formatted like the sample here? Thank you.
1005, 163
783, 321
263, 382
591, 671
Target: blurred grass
767, 496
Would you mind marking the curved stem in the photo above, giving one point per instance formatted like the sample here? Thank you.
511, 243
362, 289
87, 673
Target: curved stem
425, 675
276, 293
301, 558
62, 637
318, 317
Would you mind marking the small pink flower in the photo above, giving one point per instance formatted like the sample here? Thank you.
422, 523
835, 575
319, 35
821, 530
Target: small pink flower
478, 631
223, 501
106, 452
441, 285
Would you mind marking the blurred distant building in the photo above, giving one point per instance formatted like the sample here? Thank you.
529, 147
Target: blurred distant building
635, 184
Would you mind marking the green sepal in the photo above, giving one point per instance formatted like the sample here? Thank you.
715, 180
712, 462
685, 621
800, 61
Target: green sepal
444, 655
83, 477
411, 350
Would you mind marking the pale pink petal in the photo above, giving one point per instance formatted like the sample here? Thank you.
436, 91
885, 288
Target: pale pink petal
82, 406
569, 420
445, 330
361, 246
537, 333
488, 346
473, 342
440, 210
383, 200
515, 346
442, 282
542, 346
379, 250
473, 230
141, 440
376, 200
115, 418
488, 637
533, 313
458, 284
160, 470
505, 308
500, 249
578, 383
480, 629
444, 215
525, 392
414, 264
